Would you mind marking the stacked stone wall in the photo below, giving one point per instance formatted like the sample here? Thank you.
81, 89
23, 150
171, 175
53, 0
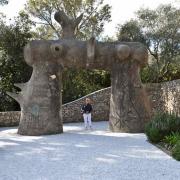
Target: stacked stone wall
163, 97
10, 118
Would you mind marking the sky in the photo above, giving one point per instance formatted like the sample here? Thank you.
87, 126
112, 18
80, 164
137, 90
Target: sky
122, 10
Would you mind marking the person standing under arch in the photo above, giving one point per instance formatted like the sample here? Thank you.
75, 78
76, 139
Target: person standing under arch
86, 111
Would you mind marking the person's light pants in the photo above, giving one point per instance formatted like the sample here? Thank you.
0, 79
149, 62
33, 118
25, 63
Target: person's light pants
87, 120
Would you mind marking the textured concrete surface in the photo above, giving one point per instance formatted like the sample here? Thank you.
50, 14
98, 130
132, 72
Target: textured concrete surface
83, 155
40, 97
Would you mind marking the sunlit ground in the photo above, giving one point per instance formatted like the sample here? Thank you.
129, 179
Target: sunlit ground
83, 155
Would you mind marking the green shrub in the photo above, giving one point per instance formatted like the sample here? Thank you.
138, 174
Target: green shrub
153, 134
176, 151
161, 125
172, 139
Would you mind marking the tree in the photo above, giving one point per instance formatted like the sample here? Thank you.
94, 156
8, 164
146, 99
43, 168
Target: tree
80, 83
3, 2
95, 14
159, 30
130, 31
162, 30
13, 69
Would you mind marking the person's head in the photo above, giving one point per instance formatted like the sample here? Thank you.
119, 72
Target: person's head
88, 101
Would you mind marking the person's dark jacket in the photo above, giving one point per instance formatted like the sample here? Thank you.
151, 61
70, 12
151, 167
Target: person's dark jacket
86, 108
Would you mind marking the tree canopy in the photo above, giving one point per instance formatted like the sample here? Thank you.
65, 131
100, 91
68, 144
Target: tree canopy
159, 30
13, 68
95, 14
3, 2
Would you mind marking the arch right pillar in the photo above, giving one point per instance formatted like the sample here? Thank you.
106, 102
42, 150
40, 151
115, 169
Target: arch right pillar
129, 104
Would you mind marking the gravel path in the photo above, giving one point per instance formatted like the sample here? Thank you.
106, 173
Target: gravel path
83, 155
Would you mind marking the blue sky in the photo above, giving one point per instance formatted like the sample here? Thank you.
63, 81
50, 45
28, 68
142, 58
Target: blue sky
122, 10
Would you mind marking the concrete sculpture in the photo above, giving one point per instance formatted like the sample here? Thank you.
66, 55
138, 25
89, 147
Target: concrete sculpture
40, 97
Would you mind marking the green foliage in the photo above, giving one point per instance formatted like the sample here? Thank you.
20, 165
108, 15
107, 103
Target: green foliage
153, 134
172, 139
165, 128
13, 68
77, 83
95, 14
159, 31
162, 39
3, 2
149, 73
161, 125
130, 31
176, 151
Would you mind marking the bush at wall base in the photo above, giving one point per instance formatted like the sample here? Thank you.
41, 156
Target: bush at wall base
153, 134
161, 125
176, 151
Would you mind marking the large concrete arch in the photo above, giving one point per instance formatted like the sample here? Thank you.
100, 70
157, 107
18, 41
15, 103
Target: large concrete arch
40, 97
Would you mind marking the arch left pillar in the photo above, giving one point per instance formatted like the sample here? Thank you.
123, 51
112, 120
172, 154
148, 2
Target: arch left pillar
41, 97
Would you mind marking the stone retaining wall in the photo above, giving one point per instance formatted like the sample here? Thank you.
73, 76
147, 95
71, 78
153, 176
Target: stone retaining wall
10, 118
100, 102
163, 97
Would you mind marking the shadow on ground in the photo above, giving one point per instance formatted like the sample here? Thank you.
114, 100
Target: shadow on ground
78, 154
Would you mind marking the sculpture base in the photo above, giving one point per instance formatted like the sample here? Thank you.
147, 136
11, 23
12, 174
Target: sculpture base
44, 123
38, 132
